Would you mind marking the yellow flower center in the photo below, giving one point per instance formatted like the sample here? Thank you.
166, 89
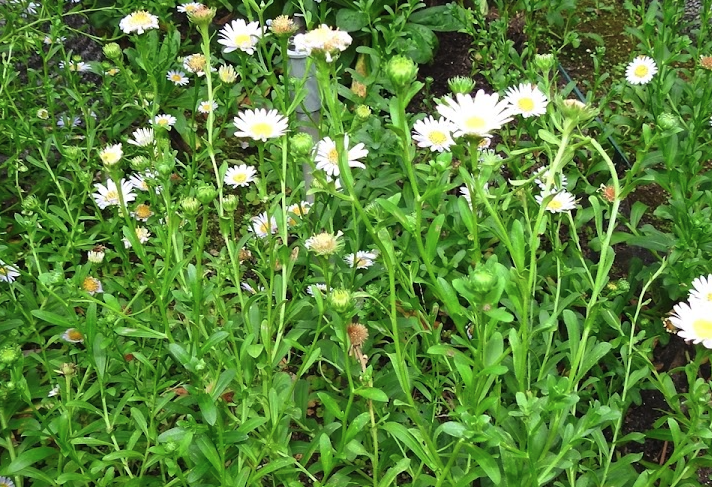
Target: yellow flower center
142, 17
475, 123
525, 104
239, 177
333, 156
555, 205
162, 122
437, 137
112, 195
641, 71
3, 271
207, 107
709, 296
196, 63
75, 335
143, 211
176, 78
90, 285
262, 129
244, 40
264, 227
702, 328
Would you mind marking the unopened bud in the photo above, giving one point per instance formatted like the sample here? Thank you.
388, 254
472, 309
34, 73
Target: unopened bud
401, 70
206, 194
113, 51
230, 203
483, 280
302, 143
341, 300
191, 206
461, 84
363, 112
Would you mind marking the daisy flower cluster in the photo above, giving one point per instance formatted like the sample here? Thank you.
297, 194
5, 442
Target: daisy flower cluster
693, 319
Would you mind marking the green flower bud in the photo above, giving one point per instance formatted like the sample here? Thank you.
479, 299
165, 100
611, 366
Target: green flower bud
401, 70
668, 121
341, 300
171, 446
72, 152
202, 16
113, 51
363, 112
31, 203
544, 62
230, 203
191, 206
165, 170
302, 143
140, 163
577, 111
206, 194
10, 354
483, 280
461, 84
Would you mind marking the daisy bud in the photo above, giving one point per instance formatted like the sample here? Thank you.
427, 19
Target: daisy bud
302, 143
206, 194
401, 70
461, 84
544, 62
227, 74
202, 16
341, 300
363, 112
31, 203
67, 369
668, 121
165, 170
113, 51
230, 203
191, 206
576, 110
43, 113
483, 280
72, 152
140, 163
10, 354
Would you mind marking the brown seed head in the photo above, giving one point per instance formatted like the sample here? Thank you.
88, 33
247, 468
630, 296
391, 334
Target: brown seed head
358, 334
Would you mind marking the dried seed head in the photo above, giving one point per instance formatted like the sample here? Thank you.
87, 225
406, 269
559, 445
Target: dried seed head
358, 334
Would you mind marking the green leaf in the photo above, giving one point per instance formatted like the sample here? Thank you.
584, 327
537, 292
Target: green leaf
516, 236
393, 472
207, 406
27, 458
373, 394
223, 381
122, 455
351, 20
214, 339
330, 405
326, 452
52, 318
433, 237
488, 464
140, 420
438, 19
140, 332
547, 136
179, 353
207, 448
454, 429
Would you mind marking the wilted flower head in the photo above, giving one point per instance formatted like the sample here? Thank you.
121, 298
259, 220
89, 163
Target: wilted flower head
358, 334
111, 154
706, 62
283, 26
324, 243
195, 63
138, 22
92, 285
227, 73
323, 40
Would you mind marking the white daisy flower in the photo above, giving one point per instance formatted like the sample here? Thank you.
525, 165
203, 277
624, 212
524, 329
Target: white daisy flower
227, 73
141, 234
361, 259
432, 134
140, 181
702, 289
77, 67
187, 8
561, 202
72, 335
111, 154
8, 273
560, 180
641, 70
92, 285
324, 40
324, 243
240, 35
263, 226
196, 63
207, 106
142, 137
109, 195
298, 209
138, 22
241, 175
475, 116
142, 212
694, 321
321, 288
178, 78
527, 100
260, 124
327, 157
164, 120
